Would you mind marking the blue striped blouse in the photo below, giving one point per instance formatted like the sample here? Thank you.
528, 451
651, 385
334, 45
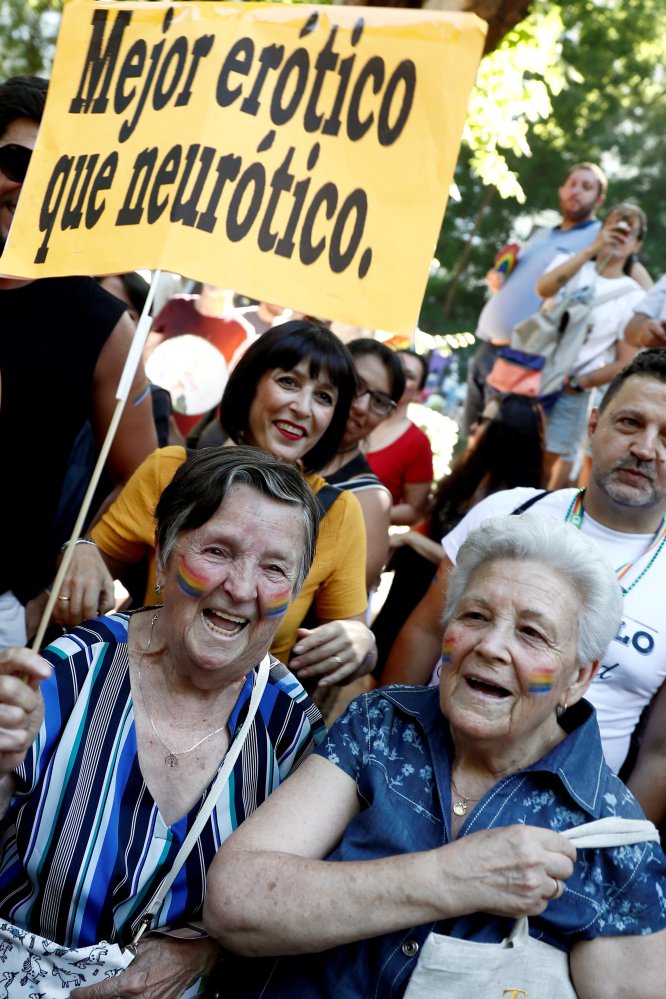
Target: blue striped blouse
83, 845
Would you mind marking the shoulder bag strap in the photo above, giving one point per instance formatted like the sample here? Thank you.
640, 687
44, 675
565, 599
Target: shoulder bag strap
610, 832
609, 296
213, 796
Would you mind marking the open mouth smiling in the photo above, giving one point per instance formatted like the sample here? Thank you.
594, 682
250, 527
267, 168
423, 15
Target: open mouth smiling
290, 430
224, 623
487, 687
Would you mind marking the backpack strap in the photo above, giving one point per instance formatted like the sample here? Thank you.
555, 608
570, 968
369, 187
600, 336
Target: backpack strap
530, 502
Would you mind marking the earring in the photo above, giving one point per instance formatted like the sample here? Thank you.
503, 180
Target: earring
158, 587
560, 709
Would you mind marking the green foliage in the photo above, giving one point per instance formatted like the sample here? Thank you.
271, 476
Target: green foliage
608, 106
28, 29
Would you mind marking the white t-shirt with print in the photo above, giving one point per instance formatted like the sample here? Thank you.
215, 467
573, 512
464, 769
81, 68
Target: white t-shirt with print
608, 320
633, 667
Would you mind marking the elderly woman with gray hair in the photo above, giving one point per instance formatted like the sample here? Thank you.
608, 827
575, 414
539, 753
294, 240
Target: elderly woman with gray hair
132, 747
429, 815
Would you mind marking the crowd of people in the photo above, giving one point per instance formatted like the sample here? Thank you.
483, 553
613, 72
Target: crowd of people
175, 783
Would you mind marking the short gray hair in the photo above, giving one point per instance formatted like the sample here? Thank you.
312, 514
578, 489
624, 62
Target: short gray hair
201, 484
560, 546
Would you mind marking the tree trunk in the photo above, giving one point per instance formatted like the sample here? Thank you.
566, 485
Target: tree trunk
463, 259
501, 15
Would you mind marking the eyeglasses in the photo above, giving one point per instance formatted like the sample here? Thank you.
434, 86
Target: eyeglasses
380, 403
14, 161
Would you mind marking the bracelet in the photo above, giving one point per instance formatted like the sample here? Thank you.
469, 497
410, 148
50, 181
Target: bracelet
79, 541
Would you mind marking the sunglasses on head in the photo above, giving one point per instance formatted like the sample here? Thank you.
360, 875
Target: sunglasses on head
14, 161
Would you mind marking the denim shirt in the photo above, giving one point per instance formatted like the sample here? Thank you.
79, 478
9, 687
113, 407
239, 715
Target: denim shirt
396, 745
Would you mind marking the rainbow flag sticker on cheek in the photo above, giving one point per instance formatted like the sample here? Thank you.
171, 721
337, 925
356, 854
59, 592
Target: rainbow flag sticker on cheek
541, 681
278, 605
191, 583
447, 649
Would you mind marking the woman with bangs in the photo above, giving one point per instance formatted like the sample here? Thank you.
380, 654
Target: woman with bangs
289, 394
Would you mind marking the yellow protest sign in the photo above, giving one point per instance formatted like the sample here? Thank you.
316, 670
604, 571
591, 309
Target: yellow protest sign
297, 154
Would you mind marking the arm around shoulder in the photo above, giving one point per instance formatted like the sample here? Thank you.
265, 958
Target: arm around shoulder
419, 643
648, 778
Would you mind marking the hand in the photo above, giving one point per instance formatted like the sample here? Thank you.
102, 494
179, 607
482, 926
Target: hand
21, 704
337, 652
653, 333
511, 871
607, 243
88, 587
33, 613
398, 539
495, 280
164, 967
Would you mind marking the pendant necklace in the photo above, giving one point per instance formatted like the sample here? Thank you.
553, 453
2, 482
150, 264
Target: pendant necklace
575, 515
460, 807
171, 759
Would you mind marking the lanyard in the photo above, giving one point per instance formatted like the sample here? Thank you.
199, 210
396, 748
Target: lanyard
575, 515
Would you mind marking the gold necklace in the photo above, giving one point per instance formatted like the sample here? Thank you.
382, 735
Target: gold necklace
460, 807
171, 759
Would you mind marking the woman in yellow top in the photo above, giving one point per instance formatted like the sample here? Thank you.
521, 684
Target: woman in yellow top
290, 393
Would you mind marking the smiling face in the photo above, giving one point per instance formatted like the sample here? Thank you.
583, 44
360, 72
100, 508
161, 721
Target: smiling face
371, 374
23, 132
579, 196
628, 442
227, 585
291, 411
511, 659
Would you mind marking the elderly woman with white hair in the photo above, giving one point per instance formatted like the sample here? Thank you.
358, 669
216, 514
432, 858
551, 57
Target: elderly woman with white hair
429, 815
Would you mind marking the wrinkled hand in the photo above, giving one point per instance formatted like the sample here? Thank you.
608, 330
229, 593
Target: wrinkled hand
512, 871
495, 280
336, 652
21, 704
163, 968
88, 587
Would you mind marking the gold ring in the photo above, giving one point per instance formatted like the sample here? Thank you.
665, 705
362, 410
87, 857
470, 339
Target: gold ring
63, 598
557, 889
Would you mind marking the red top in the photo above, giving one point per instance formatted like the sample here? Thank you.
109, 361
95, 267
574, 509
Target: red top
407, 460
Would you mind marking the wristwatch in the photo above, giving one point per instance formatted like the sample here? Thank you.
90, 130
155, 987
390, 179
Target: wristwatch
575, 385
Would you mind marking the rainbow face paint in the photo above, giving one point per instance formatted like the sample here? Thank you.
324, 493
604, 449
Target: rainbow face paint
279, 604
541, 681
447, 649
191, 583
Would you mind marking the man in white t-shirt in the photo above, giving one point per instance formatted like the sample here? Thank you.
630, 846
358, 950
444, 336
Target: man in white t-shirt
623, 510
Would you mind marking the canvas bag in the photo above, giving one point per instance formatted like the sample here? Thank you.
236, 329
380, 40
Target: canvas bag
520, 965
544, 346
32, 963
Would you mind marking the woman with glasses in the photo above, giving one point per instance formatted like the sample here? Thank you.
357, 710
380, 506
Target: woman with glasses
380, 384
289, 394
